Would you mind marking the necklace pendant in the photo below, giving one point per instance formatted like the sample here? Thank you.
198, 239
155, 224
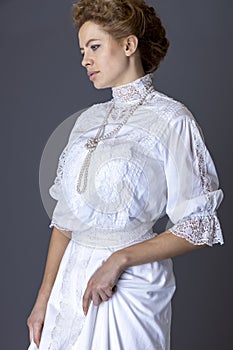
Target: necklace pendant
92, 144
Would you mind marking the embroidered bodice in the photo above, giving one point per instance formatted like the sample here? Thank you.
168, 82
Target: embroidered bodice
157, 164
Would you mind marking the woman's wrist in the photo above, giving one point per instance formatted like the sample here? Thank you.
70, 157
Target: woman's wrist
120, 260
43, 295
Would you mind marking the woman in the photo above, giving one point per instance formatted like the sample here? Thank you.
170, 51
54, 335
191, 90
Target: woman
108, 281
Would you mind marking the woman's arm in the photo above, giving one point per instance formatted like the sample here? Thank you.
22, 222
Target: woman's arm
57, 246
165, 245
101, 285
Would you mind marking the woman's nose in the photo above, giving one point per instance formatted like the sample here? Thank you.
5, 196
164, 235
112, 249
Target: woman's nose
87, 60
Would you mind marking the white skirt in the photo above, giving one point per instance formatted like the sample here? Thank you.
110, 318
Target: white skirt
138, 316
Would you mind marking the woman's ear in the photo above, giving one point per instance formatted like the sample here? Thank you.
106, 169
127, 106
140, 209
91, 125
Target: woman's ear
130, 45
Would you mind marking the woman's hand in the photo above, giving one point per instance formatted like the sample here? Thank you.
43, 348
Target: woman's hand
102, 285
35, 322
58, 244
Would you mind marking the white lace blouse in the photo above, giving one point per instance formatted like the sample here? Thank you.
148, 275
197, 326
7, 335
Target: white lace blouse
157, 164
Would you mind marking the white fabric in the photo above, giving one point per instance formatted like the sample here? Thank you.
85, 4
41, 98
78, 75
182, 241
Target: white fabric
157, 164
139, 314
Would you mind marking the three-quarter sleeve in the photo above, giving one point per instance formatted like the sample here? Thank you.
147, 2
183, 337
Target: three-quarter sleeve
193, 193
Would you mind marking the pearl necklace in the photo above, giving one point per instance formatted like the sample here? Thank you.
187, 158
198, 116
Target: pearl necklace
93, 142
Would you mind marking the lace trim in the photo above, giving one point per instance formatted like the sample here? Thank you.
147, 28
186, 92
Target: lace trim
199, 230
64, 314
200, 153
120, 112
61, 163
69, 311
132, 91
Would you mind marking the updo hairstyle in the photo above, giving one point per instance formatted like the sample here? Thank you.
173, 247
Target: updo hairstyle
121, 18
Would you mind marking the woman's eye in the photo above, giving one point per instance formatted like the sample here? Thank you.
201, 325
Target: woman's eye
95, 47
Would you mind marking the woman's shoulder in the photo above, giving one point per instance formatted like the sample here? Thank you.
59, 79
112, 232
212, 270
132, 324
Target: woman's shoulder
168, 107
173, 114
166, 115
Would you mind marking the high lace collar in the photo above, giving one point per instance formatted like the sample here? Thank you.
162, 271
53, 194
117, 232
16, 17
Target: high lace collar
133, 91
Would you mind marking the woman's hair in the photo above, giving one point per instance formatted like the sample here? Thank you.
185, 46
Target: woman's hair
121, 18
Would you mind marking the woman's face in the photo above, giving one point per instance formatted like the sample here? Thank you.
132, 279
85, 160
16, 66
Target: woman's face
105, 59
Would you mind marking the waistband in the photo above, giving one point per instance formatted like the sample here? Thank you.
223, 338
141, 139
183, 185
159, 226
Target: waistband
107, 239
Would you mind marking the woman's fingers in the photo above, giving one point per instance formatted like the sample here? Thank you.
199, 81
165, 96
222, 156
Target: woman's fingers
30, 333
86, 301
37, 334
96, 299
35, 322
110, 291
96, 296
103, 296
102, 284
35, 329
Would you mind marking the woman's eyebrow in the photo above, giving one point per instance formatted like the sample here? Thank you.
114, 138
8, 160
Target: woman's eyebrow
81, 48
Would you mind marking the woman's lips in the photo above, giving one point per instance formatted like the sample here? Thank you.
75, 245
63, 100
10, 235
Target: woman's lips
92, 74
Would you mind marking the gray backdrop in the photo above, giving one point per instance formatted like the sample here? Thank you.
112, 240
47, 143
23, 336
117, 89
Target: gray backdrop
42, 83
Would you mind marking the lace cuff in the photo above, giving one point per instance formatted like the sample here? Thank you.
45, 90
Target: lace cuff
200, 229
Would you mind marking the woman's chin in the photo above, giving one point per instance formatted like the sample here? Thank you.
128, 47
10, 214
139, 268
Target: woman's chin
99, 85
